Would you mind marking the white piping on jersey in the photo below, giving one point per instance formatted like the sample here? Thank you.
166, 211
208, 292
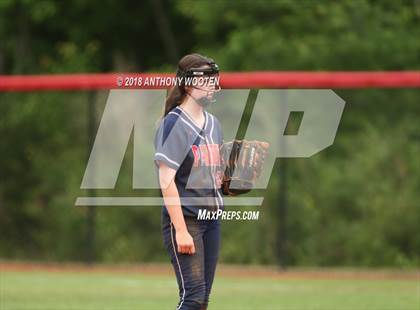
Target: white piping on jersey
212, 141
211, 128
185, 121
192, 128
180, 272
167, 158
206, 121
211, 160
213, 172
192, 120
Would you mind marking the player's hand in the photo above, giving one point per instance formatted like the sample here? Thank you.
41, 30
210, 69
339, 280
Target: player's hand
185, 242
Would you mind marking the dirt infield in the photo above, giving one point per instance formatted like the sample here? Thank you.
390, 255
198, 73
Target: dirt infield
223, 270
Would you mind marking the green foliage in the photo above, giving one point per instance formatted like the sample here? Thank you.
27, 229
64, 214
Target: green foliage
305, 35
360, 208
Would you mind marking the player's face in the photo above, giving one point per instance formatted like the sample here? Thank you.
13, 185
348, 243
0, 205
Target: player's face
203, 87
206, 85
207, 89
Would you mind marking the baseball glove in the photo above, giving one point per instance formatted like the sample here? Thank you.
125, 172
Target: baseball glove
242, 162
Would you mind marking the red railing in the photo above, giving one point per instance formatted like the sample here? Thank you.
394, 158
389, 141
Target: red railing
228, 80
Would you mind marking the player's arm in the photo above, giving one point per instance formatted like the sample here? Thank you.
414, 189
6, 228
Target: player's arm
173, 205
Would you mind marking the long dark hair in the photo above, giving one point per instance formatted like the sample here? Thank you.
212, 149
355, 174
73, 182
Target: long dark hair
177, 93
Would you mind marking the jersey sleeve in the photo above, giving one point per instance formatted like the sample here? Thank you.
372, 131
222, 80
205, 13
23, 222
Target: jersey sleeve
171, 143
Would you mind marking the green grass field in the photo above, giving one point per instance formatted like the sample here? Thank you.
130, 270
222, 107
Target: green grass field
124, 290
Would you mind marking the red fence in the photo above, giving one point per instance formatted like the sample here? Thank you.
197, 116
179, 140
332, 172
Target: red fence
232, 80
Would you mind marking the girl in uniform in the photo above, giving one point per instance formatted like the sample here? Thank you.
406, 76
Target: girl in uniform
187, 157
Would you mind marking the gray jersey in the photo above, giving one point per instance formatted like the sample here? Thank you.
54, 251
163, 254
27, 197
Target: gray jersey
195, 155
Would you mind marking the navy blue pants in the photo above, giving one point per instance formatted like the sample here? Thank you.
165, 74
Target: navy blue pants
194, 273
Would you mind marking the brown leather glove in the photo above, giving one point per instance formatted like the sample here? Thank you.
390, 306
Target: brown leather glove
242, 162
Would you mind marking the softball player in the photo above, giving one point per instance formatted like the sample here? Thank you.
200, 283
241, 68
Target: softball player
188, 161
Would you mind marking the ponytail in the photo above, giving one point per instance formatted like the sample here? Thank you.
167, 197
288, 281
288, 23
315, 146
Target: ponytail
175, 97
